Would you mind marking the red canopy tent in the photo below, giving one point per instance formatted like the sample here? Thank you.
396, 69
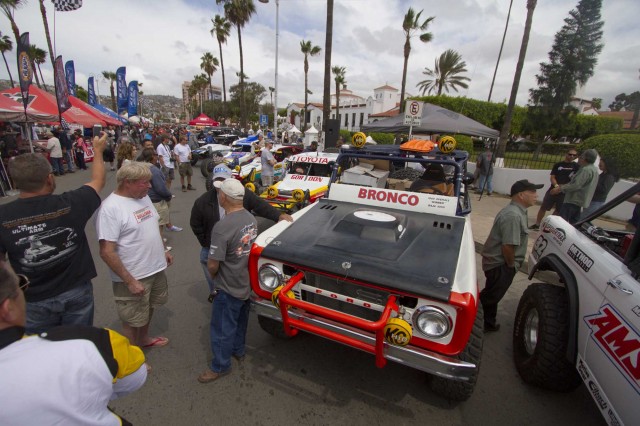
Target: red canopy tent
79, 103
46, 102
12, 110
203, 120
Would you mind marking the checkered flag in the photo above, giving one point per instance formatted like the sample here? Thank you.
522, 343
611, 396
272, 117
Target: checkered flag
66, 5
64, 124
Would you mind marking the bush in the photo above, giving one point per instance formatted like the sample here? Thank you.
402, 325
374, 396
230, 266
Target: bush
623, 148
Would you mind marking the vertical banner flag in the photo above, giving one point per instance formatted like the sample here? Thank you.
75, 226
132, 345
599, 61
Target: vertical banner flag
70, 72
24, 68
133, 98
66, 5
62, 95
91, 98
121, 85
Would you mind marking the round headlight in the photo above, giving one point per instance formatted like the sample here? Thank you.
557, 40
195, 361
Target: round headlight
270, 277
298, 195
431, 321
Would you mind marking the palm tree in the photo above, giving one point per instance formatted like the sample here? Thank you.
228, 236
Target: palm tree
198, 86
222, 30
308, 50
43, 11
328, 41
339, 78
238, 13
6, 45
209, 65
410, 25
504, 133
32, 56
495, 71
271, 90
111, 76
40, 58
8, 7
445, 74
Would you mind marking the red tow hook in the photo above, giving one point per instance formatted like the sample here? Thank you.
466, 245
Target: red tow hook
292, 325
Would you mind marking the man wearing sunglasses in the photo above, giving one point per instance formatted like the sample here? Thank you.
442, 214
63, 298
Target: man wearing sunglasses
65, 376
561, 173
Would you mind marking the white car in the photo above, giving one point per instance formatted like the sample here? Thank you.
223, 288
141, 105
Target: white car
584, 322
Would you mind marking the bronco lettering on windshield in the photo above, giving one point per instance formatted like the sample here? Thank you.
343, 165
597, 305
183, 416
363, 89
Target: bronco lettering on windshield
388, 196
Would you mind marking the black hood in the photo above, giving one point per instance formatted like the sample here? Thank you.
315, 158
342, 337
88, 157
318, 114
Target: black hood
413, 252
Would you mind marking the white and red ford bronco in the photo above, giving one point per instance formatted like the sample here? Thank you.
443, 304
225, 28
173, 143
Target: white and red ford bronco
584, 321
384, 265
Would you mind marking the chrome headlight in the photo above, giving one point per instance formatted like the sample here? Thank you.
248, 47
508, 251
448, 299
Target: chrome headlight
432, 321
270, 277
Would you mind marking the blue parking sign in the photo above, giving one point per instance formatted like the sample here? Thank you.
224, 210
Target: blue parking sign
264, 119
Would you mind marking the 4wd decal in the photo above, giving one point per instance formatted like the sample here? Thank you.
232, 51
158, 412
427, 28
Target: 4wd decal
598, 396
619, 341
583, 261
539, 247
558, 234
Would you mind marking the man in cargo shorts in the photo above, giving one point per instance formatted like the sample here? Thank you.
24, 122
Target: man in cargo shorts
183, 158
131, 246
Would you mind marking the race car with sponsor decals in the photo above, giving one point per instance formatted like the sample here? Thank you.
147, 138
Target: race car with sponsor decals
583, 323
249, 173
306, 180
388, 269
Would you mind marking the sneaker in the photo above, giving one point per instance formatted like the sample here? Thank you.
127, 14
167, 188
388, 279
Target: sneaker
168, 249
190, 188
69, 171
534, 227
184, 189
489, 328
164, 240
174, 228
209, 376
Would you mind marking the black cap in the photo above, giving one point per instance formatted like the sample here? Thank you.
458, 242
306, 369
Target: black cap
524, 185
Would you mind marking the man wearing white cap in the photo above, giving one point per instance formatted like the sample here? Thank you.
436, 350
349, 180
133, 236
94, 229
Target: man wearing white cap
207, 211
231, 241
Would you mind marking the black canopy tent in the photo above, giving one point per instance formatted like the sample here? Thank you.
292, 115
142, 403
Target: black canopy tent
435, 119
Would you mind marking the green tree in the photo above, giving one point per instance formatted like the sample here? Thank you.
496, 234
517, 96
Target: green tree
307, 50
340, 79
629, 102
411, 25
6, 45
40, 58
506, 127
572, 60
221, 30
209, 65
8, 8
32, 56
81, 93
328, 42
238, 13
111, 77
445, 75
254, 93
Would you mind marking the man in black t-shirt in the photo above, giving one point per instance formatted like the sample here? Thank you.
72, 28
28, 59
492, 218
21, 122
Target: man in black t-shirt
43, 235
561, 173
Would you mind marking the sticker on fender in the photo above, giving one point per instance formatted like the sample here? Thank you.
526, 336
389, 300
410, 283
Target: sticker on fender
391, 198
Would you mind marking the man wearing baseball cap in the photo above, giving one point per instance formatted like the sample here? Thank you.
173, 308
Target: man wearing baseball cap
228, 258
207, 211
505, 249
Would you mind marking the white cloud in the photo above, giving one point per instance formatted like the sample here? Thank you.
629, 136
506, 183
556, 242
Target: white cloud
161, 43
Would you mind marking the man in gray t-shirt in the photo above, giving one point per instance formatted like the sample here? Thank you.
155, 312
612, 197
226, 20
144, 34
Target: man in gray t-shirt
231, 241
267, 164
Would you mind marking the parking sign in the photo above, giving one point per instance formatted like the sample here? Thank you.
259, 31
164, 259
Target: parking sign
264, 119
413, 113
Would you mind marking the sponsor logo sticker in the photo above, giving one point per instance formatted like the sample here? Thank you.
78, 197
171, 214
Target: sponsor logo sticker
578, 256
557, 234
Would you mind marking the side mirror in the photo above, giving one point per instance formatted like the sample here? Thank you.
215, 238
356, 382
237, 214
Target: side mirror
468, 178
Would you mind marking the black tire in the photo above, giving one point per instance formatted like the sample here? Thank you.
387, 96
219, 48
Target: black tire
208, 184
406, 173
540, 338
194, 161
273, 327
204, 166
456, 390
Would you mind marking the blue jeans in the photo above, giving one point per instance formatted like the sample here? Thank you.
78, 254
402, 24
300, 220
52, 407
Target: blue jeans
69, 158
228, 330
71, 307
56, 165
204, 256
481, 183
595, 205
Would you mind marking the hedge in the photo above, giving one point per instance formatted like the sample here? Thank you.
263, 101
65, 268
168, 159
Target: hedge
624, 149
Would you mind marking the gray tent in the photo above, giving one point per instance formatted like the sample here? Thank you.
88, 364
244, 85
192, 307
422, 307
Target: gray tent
435, 119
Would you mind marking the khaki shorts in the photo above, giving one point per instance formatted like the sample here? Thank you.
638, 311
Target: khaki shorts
185, 169
163, 212
136, 310
168, 173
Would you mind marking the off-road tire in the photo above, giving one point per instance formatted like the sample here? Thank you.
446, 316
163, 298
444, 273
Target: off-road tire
456, 390
194, 161
208, 183
206, 166
406, 173
273, 327
544, 363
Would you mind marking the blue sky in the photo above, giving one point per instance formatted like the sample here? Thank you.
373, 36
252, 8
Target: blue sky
161, 42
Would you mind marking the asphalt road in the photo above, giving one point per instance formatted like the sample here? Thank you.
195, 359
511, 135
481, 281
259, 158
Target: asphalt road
307, 380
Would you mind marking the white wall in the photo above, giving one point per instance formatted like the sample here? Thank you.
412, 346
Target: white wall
503, 178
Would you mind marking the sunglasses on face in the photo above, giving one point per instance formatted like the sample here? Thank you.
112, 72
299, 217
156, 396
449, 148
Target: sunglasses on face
572, 155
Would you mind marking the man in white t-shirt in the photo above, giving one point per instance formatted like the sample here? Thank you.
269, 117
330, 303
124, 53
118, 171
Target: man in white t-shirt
165, 158
182, 152
131, 245
55, 153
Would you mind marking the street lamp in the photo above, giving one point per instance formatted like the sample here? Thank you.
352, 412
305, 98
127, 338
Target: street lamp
275, 97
